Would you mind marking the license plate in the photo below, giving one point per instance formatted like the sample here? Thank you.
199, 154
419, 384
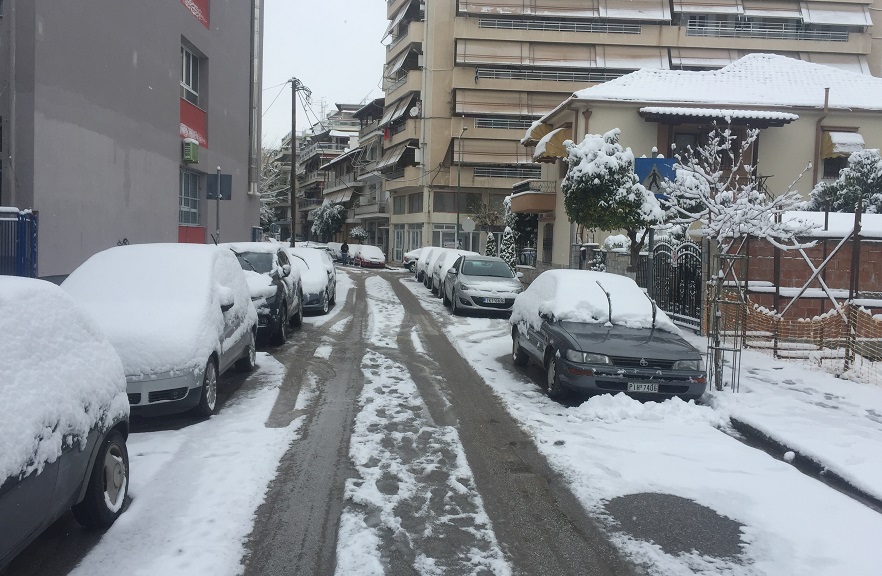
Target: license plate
494, 300
640, 387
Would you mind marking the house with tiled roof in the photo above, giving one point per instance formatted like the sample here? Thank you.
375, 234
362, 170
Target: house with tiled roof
807, 114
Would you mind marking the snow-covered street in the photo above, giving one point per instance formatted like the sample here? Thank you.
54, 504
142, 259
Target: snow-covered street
670, 484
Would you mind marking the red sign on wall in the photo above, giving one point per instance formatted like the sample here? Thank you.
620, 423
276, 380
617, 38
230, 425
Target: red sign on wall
194, 123
199, 9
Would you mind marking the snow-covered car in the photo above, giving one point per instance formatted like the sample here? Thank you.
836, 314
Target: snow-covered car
334, 249
319, 278
368, 256
274, 285
429, 267
595, 332
409, 259
480, 283
64, 416
441, 266
423, 260
178, 315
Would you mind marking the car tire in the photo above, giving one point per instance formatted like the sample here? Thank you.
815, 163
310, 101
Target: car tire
518, 354
297, 319
208, 393
444, 297
280, 336
554, 388
108, 484
326, 304
248, 362
334, 295
453, 307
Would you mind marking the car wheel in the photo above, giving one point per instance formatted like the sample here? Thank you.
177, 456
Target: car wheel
518, 355
326, 304
334, 295
248, 362
554, 389
453, 307
208, 396
297, 319
280, 336
108, 484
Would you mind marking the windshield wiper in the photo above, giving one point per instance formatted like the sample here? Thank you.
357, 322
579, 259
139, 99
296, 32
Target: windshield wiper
608, 299
654, 308
244, 259
301, 258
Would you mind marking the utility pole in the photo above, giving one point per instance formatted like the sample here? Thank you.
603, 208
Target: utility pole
458, 187
296, 86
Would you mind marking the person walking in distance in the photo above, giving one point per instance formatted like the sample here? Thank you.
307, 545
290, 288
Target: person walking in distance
344, 253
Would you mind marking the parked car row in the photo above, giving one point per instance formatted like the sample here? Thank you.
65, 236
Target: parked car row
466, 281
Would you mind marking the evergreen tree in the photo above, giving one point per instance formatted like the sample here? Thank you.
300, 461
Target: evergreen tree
862, 177
328, 220
507, 247
524, 226
359, 233
490, 250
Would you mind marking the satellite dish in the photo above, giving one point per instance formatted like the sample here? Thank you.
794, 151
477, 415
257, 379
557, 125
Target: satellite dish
415, 111
468, 225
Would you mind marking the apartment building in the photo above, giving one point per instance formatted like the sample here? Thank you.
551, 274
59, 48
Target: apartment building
114, 114
465, 79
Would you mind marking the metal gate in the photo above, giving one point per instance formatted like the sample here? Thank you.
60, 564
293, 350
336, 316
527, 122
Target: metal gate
18, 242
676, 280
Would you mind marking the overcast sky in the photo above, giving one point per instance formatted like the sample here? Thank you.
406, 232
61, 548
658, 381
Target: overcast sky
333, 47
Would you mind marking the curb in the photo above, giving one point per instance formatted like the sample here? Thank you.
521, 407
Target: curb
808, 466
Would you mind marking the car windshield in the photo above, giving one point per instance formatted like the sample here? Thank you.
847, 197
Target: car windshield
494, 268
258, 261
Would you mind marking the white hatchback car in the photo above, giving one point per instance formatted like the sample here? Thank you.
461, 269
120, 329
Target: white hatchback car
178, 315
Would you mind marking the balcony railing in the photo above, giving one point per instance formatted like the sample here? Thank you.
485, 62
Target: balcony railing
396, 84
373, 208
546, 75
559, 26
765, 30
308, 203
547, 186
319, 147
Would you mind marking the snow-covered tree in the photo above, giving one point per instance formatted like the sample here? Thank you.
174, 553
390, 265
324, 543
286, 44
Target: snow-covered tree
601, 190
523, 226
328, 219
490, 250
359, 233
717, 188
507, 247
274, 187
862, 177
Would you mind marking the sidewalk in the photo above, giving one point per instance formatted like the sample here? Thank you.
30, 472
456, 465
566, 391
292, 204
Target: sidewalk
835, 424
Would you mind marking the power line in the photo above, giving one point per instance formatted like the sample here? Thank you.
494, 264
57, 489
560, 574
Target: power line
274, 99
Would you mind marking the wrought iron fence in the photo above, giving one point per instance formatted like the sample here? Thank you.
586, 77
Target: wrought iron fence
18, 242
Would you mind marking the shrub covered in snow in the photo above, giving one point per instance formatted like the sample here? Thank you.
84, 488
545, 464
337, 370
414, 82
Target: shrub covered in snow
861, 178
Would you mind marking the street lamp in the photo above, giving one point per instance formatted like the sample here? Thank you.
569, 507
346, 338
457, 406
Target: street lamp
458, 187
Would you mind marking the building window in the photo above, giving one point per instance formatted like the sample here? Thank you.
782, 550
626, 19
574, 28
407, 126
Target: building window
414, 236
547, 243
415, 203
469, 203
398, 204
398, 242
190, 65
833, 166
188, 212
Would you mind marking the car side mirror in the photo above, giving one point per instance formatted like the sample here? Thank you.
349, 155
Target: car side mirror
546, 316
519, 274
451, 272
226, 307
286, 270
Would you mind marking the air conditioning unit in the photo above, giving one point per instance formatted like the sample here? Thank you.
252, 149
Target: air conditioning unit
190, 152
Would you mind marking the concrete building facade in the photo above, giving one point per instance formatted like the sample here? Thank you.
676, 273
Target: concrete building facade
465, 78
99, 101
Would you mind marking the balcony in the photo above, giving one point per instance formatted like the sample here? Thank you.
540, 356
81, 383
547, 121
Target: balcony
534, 197
372, 209
308, 203
762, 30
320, 148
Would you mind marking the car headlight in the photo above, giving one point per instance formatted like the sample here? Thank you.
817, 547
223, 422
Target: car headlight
586, 357
464, 287
688, 365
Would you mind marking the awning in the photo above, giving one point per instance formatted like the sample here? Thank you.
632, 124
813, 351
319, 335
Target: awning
398, 63
396, 20
708, 6
551, 146
391, 156
547, 8
772, 9
507, 102
852, 62
841, 144
481, 151
535, 133
835, 13
337, 197
702, 57
632, 57
658, 10
685, 115
397, 109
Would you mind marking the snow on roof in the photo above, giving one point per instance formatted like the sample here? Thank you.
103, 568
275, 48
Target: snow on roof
754, 80
720, 113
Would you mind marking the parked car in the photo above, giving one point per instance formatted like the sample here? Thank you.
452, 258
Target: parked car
480, 283
319, 278
334, 249
595, 332
410, 258
275, 287
441, 266
178, 315
64, 416
368, 256
437, 255
422, 262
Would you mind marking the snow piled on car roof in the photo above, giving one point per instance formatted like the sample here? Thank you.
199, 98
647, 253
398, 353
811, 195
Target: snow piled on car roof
581, 296
59, 376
